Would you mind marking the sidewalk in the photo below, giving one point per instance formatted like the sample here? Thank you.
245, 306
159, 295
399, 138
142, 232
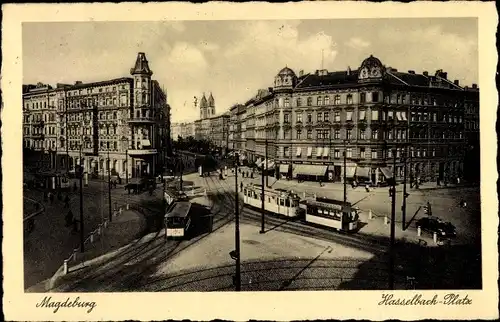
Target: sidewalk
124, 228
340, 186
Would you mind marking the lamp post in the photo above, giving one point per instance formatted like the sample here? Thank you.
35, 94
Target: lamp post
237, 225
267, 169
80, 175
109, 188
393, 222
345, 170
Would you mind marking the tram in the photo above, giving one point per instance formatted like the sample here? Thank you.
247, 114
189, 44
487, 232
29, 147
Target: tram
280, 202
331, 213
172, 195
178, 220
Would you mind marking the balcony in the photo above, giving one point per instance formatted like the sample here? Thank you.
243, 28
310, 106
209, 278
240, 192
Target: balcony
142, 152
142, 120
38, 136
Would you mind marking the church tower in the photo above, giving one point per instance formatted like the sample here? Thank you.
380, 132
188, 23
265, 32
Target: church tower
203, 107
211, 106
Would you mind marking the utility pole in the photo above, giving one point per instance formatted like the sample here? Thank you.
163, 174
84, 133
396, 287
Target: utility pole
109, 188
403, 208
80, 174
267, 162
345, 170
263, 210
182, 169
237, 225
393, 222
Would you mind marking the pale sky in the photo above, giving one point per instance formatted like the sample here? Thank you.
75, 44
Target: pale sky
233, 59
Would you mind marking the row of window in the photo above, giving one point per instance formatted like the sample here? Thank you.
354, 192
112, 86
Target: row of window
90, 90
48, 130
39, 105
375, 97
324, 152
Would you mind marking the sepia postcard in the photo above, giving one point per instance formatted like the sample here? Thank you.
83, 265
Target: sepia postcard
249, 161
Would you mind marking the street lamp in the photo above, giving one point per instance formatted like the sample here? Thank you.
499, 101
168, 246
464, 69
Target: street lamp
80, 176
345, 170
109, 188
237, 226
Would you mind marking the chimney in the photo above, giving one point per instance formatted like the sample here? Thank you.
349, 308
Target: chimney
317, 72
426, 73
456, 82
78, 82
411, 72
474, 86
348, 70
301, 73
444, 75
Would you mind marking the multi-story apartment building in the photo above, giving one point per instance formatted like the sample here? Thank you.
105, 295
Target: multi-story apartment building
214, 129
184, 130
126, 120
237, 128
311, 120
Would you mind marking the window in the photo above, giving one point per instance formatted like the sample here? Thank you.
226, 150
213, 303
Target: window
286, 152
309, 134
336, 134
327, 100
320, 117
349, 153
348, 134
403, 99
299, 134
375, 97
390, 115
362, 153
374, 115
361, 115
433, 152
299, 101
389, 135
287, 102
336, 154
336, 100
286, 118
299, 118
348, 116
362, 135
319, 134
349, 99
319, 101
374, 154
309, 101
326, 116
374, 134
337, 116
309, 118
362, 97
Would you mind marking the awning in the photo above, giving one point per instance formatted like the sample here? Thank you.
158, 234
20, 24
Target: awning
299, 151
319, 152
310, 169
284, 168
145, 143
326, 152
362, 115
309, 151
386, 172
350, 171
363, 172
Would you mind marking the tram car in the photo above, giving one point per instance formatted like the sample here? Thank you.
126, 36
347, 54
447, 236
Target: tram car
178, 220
281, 202
172, 195
331, 213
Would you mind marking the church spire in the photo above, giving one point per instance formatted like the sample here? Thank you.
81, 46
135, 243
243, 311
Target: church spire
141, 65
211, 101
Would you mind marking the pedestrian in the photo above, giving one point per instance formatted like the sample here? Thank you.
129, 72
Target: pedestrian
51, 197
66, 202
367, 188
241, 186
119, 180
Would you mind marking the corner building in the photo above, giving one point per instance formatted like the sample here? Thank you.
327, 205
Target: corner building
309, 121
127, 119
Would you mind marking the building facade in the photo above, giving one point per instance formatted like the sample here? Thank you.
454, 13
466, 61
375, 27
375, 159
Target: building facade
374, 114
126, 120
183, 129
